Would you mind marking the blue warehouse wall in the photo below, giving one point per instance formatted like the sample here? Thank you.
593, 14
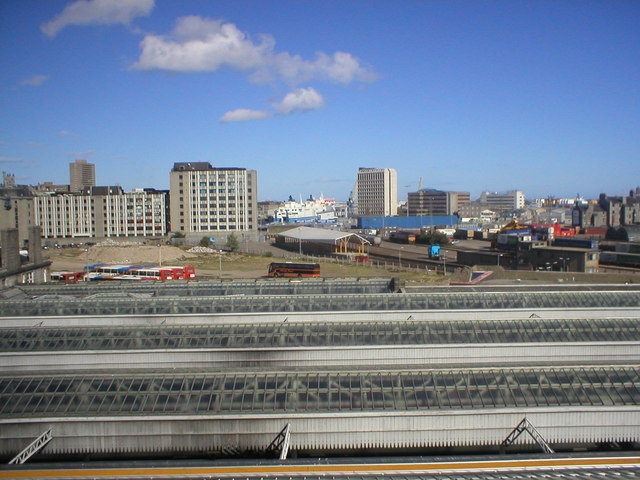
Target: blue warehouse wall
449, 221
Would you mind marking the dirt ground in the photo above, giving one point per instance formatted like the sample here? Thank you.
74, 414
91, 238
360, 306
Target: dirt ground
210, 265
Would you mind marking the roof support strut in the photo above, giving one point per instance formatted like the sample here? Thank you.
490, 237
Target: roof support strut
281, 442
33, 448
526, 426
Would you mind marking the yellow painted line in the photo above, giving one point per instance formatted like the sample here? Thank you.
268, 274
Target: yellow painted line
324, 469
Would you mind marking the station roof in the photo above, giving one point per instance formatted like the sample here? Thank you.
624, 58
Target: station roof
203, 288
273, 286
219, 393
438, 300
325, 334
319, 235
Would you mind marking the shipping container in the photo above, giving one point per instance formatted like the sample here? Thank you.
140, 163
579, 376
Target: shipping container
622, 259
576, 243
628, 247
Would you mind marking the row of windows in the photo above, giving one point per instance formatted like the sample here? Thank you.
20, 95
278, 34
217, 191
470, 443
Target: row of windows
213, 182
216, 220
86, 200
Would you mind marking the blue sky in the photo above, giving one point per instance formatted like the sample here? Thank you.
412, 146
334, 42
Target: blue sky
542, 96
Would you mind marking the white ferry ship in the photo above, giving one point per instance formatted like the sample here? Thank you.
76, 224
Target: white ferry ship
320, 210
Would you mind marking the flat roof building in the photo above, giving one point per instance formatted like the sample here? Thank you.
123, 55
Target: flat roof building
101, 212
513, 199
208, 199
377, 191
429, 201
81, 175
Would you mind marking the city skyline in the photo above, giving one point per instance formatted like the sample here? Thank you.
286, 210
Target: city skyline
471, 96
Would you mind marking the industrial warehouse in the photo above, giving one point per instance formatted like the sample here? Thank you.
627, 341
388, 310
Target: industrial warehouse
317, 367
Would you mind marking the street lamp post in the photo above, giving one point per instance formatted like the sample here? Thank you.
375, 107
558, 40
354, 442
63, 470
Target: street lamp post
564, 263
444, 257
400, 257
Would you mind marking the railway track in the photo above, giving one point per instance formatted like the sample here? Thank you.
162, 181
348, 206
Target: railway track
410, 258
328, 468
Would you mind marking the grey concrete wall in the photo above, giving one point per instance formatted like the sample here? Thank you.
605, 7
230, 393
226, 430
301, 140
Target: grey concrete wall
10, 257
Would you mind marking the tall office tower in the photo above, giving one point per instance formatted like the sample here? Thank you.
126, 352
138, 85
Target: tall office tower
207, 199
81, 175
377, 192
436, 202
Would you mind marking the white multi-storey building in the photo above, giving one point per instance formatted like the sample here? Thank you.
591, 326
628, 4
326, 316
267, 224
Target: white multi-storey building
208, 199
377, 192
136, 213
104, 212
64, 216
512, 200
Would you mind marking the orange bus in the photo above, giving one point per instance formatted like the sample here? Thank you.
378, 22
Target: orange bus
291, 269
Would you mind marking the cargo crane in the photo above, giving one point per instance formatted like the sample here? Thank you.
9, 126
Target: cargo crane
353, 199
514, 227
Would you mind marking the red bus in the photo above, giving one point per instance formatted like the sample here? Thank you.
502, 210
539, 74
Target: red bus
182, 273
67, 276
291, 269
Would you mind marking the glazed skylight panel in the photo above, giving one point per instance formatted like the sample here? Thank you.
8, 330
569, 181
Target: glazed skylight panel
293, 334
295, 392
324, 303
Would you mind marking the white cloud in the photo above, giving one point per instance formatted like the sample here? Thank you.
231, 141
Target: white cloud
66, 133
82, 155
98, 12
201, 45
34, 81
341, 67
301, 100
12, 160
243, 115
198, 44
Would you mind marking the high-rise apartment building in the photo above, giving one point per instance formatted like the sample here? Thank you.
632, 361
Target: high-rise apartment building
81, 175
430, 202
377, 190
208, 199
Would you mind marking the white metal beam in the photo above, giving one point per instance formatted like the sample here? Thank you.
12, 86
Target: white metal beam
33, 448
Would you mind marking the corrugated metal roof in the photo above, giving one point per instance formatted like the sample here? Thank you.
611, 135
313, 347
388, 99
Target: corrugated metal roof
319, 235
